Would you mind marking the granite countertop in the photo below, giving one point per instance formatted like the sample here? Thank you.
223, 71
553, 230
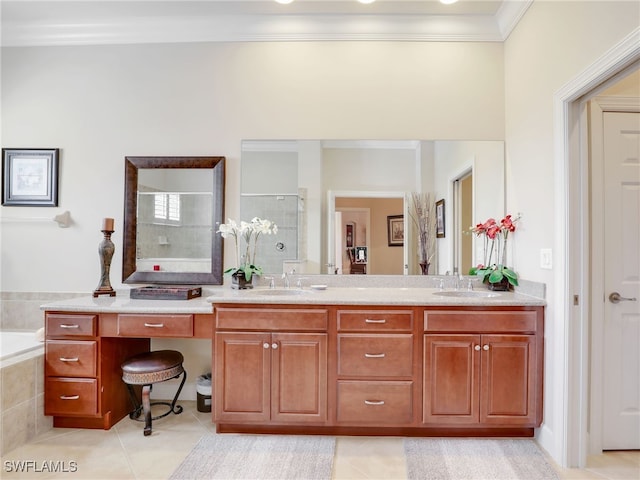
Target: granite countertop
372, 296
121, 303
394, 296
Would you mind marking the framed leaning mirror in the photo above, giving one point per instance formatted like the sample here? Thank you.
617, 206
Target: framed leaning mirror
172, 209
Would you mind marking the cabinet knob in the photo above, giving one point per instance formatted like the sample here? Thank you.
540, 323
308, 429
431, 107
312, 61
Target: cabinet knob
485, 347
274, 346
265, 345
477, 348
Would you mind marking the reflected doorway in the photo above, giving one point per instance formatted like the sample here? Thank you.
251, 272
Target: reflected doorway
381, 259
463, 220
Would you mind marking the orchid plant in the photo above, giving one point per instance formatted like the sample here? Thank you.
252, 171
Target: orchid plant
249, 232
495, 237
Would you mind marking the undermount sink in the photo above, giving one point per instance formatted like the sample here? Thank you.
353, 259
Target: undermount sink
276, 292
467, 294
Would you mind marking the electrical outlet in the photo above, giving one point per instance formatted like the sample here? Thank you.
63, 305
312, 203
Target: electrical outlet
546, 259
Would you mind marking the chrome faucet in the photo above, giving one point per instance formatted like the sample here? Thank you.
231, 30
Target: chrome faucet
285, 277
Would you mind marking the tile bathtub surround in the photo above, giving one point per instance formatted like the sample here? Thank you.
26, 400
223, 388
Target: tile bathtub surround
22, 403
123, 452
21, 310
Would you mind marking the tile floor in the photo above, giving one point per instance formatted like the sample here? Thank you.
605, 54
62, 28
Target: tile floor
124, 453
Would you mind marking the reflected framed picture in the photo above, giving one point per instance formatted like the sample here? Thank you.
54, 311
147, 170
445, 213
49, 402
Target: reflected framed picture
350, 234
30, 177
395, 230
361, 255
440, 218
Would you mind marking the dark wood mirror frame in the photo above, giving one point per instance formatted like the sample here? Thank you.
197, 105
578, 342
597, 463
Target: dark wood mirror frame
129, 273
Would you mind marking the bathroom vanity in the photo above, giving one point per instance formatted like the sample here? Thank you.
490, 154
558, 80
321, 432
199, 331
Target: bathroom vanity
371, 361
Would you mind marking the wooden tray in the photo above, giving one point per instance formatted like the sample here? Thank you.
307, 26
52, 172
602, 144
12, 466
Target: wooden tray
163, 292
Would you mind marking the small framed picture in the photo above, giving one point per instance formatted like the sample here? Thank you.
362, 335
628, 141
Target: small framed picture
361, 255
30, 177
395, 230
440, 218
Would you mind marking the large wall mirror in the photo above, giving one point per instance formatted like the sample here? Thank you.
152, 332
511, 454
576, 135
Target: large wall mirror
334, 195
173, 207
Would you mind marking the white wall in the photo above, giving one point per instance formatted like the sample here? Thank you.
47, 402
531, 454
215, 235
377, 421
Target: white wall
99, 104
537, 65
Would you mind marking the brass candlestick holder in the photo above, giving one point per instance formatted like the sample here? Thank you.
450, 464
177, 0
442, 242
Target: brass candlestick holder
105, 250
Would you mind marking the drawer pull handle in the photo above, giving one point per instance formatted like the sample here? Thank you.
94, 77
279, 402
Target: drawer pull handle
154, 325
374, 402
373, 320
66, 325
374, 355
66, 359
69, 397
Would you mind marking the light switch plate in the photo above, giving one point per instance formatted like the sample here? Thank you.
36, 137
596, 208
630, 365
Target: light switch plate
546, 258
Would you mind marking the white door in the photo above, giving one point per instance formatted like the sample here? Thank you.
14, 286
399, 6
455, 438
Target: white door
621, 396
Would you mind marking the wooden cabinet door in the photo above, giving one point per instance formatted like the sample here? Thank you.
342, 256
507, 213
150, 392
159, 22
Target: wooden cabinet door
242, 376
480, 379
508, 385
451, 373
299, 377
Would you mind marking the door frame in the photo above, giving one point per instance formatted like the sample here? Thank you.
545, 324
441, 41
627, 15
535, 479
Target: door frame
573, 244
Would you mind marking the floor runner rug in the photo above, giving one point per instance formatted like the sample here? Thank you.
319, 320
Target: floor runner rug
259, 457
476, 459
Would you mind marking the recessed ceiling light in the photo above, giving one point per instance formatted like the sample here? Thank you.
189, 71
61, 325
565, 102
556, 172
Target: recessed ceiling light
448, 2
284, 2
366, 1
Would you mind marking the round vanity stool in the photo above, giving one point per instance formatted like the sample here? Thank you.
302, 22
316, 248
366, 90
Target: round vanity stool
146, 369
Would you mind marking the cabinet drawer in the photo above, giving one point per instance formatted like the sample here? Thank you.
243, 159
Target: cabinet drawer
59, 325
69, 358
375, 403
498, 321
71, 396
133, 325
296, 319
375, 320
375, 355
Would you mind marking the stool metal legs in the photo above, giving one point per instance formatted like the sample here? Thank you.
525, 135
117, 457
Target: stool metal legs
146, 404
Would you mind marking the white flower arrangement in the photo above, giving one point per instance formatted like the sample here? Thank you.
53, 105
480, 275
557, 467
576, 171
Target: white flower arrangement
250, 232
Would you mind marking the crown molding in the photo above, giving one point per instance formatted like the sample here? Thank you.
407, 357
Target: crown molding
509, 14
25, 30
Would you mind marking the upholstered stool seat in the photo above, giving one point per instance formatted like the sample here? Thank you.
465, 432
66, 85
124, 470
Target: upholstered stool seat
146, 369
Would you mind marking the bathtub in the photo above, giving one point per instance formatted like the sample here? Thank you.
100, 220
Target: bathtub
18, 345
22, 387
